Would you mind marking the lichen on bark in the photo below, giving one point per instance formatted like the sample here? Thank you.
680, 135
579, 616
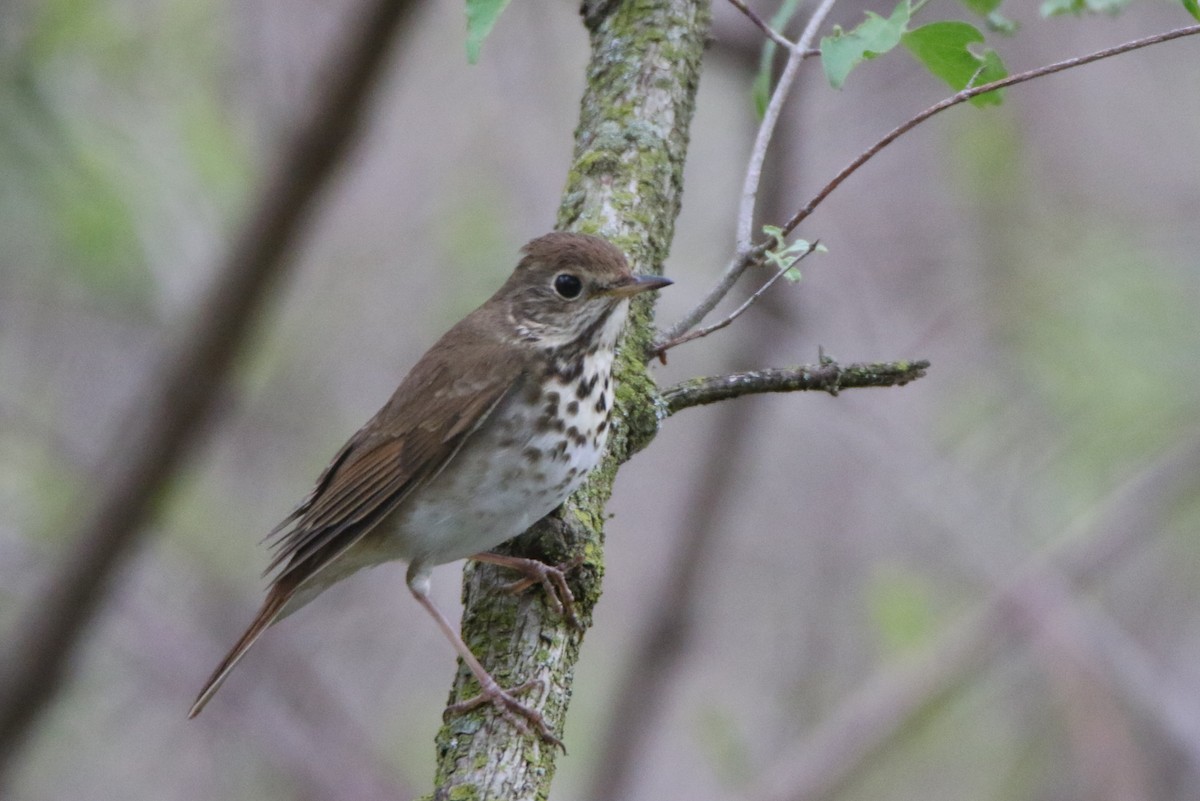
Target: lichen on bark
625, 183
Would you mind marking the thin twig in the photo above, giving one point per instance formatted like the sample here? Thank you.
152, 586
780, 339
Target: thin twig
745, 257
966, 95
766, 128
828, 376
784, 269
758, 154
769, 120
745, 253
772, 34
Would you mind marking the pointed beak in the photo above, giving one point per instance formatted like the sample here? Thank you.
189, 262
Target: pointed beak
637, 284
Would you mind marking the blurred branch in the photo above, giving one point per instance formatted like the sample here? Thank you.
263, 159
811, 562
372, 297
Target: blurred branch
1074, 637
304, 729
163, 427
878, 713
659, 650
828, 376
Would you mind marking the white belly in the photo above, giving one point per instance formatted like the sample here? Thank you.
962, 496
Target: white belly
509, 475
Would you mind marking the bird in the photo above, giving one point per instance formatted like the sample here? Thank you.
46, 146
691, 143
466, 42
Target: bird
491, 430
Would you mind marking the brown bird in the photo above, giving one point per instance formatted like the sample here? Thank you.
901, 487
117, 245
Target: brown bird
491, 430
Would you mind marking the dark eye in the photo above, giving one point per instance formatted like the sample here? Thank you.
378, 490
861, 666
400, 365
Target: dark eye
567, 286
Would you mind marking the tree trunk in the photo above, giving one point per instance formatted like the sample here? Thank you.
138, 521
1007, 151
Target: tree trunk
625, 183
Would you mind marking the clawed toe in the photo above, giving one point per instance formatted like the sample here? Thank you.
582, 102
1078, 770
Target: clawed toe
552, 578
519, 715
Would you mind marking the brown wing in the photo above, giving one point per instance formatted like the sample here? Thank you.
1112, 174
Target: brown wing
441, 402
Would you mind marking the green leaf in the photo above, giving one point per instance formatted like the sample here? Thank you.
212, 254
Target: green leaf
1193, 8
994, 19
784, 255
481, 16
1055, 8
943, 48
873, 37
761, 90
1001, 24
981, 7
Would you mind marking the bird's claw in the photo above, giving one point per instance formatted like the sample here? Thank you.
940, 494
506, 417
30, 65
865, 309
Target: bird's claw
552, 578
519, 715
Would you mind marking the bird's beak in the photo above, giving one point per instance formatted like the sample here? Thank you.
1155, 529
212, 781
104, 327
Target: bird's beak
637, 284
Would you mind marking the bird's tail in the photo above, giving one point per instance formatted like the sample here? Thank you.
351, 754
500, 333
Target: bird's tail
277, 599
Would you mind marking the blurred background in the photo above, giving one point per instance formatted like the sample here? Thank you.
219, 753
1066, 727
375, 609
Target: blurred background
855, 623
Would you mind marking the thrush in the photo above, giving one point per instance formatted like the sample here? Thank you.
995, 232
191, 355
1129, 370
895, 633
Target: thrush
489, 432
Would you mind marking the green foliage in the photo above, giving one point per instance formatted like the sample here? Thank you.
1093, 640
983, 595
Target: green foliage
944, 49
725, 747
111, 124
64, 188
1118, 323
981, 7
481, 17
761, 91
1054, 8
96, 223
873, 37
72, 27
901, 610
39, 483
469, 232
1193, 8
784, 255
1000, 24
210, 144
989, 10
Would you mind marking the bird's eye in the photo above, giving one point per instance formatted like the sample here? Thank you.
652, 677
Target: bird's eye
567, 286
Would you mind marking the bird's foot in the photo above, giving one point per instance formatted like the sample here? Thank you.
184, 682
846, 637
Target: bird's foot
552, 578
519, 715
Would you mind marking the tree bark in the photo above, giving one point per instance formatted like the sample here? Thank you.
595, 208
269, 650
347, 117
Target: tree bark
625, 183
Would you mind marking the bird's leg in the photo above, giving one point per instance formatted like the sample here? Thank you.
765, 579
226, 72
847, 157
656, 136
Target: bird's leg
553, 579
512, 710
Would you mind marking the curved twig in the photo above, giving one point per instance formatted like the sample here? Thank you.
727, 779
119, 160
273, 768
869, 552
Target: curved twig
745, 258
660, 349
760, 23
967, 94
746, 254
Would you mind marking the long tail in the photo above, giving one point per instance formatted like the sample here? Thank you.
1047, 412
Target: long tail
277, 598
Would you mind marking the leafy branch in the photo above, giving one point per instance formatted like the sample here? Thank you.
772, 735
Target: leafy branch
747, 257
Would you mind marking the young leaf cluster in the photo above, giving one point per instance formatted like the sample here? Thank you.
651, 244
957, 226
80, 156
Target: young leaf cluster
783, 256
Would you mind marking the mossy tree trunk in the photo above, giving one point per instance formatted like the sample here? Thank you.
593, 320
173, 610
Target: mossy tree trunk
625, 183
